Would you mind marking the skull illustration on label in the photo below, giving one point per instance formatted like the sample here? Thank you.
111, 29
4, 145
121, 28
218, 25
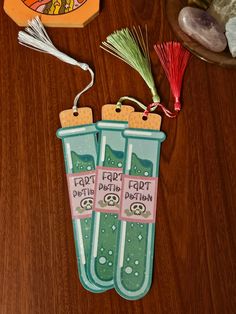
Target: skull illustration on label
137, 208
87, 203
111, 199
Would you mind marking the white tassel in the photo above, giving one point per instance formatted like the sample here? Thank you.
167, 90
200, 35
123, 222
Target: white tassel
35, 37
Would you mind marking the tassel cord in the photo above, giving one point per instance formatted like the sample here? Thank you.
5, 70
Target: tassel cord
147, 109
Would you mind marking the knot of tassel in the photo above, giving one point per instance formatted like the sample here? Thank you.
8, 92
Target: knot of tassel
154, 106
177, 105
148, 110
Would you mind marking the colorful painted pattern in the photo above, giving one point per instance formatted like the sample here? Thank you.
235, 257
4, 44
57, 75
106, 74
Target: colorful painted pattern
54, 7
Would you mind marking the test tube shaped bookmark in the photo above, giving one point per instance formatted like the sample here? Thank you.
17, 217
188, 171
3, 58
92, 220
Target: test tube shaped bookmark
107, 196
78, 135
136, 231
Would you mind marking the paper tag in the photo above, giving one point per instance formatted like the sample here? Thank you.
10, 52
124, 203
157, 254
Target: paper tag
108, 189
81, 193
139, 199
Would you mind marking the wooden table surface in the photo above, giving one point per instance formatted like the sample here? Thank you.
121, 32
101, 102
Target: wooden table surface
195, 248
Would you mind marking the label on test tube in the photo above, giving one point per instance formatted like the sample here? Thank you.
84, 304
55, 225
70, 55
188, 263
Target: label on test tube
81, 193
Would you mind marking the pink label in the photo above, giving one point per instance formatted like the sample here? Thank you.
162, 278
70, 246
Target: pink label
81, 192
108, 189
138, 200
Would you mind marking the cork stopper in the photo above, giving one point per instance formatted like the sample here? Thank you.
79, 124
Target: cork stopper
136, 121
67, 118
112, 112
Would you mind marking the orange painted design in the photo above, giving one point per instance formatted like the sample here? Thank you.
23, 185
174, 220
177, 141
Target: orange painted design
54, 7
53, 13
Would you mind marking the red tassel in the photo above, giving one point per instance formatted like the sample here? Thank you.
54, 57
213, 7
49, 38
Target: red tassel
174, 59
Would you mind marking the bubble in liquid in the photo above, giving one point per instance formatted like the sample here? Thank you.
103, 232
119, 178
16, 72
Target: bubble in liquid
128, 270
102, 260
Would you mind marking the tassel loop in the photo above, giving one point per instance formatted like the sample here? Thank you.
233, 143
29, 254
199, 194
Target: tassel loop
148, 110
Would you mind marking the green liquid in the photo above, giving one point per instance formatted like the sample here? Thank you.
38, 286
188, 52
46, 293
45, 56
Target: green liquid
108, 225
82, 163
136, 236
113, 158
140, 167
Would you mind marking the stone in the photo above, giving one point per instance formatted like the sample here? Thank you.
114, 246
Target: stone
202, 27
203, 4
231, 35
222, 10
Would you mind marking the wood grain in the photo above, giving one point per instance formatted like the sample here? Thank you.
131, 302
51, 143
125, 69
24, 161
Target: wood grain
195, 255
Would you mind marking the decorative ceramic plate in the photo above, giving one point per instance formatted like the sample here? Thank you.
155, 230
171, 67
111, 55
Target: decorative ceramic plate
55, 13
52, 7
173, 7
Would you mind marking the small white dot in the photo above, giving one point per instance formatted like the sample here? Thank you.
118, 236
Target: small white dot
136, 262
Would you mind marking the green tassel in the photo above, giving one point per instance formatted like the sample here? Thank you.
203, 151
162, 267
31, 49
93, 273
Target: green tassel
131, 47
